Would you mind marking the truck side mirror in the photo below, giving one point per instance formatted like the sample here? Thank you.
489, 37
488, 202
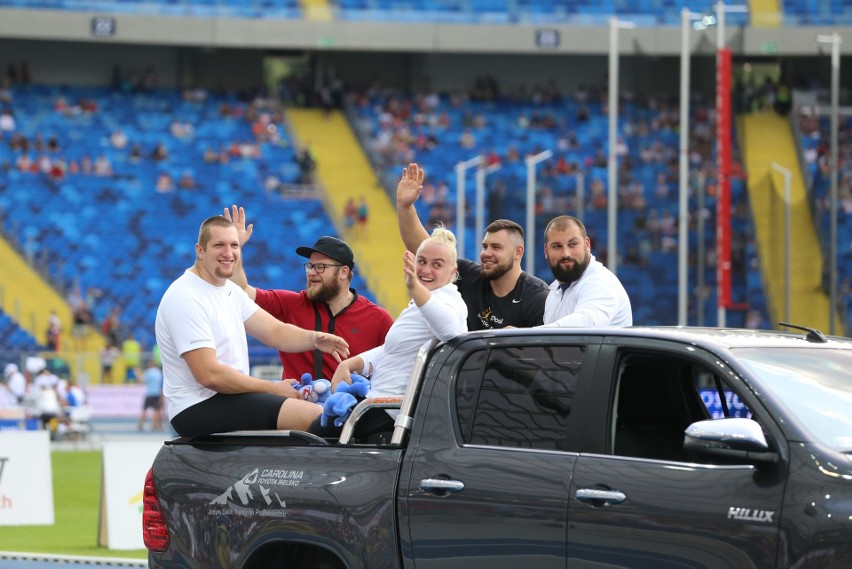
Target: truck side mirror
730, 441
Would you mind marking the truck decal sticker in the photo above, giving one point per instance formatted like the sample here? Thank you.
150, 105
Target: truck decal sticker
749, 515
254, 489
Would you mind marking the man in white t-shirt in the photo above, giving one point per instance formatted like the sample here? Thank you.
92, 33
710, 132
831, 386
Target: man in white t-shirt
201, 331
48, 402
16, 381
584, 292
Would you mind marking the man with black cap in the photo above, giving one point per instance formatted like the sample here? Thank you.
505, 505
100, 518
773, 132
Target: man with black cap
328, 303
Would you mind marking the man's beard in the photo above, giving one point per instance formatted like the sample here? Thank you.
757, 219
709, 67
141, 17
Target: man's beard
564, 275
224, 273
325, 291
497, 271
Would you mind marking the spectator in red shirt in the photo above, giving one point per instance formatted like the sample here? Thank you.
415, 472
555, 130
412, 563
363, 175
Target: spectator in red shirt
327, 304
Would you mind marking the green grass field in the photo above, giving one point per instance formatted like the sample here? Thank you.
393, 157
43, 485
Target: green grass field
76, 496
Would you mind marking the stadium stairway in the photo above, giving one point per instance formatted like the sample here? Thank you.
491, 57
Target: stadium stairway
317, 10
765, 13
345, 172
28, 299
768, 138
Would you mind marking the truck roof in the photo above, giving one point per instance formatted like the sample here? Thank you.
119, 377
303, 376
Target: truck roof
708, 337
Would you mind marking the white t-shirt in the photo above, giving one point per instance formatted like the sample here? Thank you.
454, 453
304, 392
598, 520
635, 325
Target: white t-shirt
597, 298
196, 314
47, 402
7, 398
45, 381
17, 384
443, 316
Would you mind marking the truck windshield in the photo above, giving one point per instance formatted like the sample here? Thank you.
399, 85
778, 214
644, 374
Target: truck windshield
815, 385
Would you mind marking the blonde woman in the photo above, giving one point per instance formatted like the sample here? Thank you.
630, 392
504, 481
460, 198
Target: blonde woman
436, 310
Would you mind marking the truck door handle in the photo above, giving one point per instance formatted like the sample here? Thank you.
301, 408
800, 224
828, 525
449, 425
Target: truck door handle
600, 498
441, 487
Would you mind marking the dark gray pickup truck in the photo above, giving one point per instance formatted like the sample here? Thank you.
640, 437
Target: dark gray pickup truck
542, 448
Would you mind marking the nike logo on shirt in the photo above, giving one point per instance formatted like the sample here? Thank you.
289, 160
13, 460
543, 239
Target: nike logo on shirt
515, 301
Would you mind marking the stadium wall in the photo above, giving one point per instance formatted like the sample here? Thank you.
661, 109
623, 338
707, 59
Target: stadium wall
92, 64
395, 36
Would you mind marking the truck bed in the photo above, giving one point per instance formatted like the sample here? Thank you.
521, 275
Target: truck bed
227, 506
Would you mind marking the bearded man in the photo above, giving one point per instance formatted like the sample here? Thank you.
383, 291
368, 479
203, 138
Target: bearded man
497, 292
585, 292
328, 303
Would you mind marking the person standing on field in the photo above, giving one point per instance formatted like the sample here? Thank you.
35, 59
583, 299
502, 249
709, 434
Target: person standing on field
153, 380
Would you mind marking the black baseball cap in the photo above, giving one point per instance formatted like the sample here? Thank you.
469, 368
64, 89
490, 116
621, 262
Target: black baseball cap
331, 247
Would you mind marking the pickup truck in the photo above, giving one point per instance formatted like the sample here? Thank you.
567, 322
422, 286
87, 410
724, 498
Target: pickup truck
542, 448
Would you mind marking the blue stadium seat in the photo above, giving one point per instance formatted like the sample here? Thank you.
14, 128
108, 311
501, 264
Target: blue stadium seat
656, 294
588, 12
117, 233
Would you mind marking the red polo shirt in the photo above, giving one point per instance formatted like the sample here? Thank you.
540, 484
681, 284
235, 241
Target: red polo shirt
362, 324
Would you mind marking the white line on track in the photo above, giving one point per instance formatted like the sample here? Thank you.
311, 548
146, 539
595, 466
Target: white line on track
33, 560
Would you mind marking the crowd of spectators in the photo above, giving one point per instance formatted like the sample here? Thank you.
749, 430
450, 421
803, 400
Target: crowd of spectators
136, 137
48, 154
815, 146
407, 128
421, 127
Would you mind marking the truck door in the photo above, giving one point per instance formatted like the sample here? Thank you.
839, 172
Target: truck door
487, 484
636, 498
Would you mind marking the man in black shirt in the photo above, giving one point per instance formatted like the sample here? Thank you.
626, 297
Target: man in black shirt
497, 292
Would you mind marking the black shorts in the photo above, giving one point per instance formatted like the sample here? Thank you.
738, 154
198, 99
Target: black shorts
151, 402
229, 412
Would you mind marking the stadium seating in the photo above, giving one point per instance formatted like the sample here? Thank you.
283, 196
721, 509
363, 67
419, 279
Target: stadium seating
288, 9
397, 127
818, 143
809, 13
118, 233
15, 339
581, 12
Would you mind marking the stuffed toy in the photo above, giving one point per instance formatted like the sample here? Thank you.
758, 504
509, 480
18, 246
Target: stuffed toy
315, 391
339, 405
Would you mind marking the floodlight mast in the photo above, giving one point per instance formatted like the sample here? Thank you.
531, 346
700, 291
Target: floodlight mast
723, 161
683, 167
835, 40
461, 200
612, 163
701, 22
483, 170
532, 162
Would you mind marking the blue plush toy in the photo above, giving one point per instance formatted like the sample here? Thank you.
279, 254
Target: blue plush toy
315, 391
339, 405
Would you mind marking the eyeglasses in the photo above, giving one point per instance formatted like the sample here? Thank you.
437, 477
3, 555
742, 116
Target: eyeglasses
319, 267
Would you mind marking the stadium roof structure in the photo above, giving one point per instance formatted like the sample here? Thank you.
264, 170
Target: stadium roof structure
286, 26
